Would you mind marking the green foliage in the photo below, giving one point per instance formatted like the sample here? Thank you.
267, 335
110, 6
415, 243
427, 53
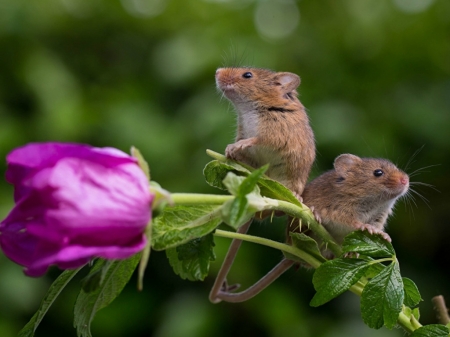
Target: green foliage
55, 289
191, 260
384, 291
180, 224
412, 295
382, 298
307, 244
238, 211
373, 245
432, 330
216, 171
115, 275
334, 277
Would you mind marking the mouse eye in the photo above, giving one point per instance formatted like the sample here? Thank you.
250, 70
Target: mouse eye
378, 173
247, 75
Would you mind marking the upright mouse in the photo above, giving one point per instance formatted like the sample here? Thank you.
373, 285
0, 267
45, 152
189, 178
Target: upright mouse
359, 194
273, 126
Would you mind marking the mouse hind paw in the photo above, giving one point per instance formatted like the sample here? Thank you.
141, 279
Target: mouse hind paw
373, 230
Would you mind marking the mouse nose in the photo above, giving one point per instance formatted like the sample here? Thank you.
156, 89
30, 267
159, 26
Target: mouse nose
404, 180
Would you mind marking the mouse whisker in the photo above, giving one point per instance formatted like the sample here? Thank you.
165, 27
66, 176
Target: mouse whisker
424, 199
414, 183
421, 170
411, 160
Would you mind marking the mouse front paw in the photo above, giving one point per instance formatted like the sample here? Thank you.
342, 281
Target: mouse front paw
232, 151
373, 230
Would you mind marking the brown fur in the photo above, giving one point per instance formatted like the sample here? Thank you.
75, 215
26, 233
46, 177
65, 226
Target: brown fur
273, 126
351, 197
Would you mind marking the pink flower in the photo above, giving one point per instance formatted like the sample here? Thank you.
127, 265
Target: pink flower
73, 202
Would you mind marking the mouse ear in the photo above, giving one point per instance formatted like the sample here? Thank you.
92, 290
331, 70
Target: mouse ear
345, 160
288, 81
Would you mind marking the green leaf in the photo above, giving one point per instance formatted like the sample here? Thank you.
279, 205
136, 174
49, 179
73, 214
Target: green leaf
116, 275
412, 295
367, 244
432, 330
180, 224
55, 289
382, 298
96, 275
273, 189
334, 277
249, 183
307, 244
235, 212
375, 268
217, 170
233, 184
191, 260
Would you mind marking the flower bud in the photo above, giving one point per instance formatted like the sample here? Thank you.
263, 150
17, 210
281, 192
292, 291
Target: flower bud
73, 202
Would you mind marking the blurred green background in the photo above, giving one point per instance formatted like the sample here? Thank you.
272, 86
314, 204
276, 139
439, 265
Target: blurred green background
376, 82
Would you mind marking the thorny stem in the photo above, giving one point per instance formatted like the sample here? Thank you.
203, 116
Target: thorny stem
303, 213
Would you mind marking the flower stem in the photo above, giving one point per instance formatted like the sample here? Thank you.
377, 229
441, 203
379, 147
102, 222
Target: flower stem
204, 199
270, 243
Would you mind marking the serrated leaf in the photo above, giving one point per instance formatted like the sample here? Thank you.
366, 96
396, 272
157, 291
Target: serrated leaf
367, 244
412, 295
249, 183
236, 212
307, 244
273, 189
334, 277
375, 269
432, 330
116, 276
217, 170
180, 224
55, 289
382, 298
96, 275
233, 183
191, 260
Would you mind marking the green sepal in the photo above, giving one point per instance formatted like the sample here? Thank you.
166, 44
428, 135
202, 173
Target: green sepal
141, 161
